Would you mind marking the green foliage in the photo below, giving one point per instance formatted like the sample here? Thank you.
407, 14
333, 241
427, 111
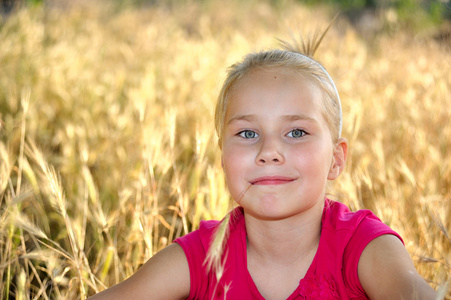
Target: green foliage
34, 2
416, 13
421, 13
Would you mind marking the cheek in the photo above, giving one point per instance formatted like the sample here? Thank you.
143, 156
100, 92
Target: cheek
314, 161
231, 162
235, 163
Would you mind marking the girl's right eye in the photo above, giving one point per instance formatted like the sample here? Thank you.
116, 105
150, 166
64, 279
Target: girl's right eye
248, 134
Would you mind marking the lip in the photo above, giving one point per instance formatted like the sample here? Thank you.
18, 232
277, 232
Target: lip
271, 180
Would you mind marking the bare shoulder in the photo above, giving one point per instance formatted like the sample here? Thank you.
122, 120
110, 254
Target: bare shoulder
164, 276
386, 271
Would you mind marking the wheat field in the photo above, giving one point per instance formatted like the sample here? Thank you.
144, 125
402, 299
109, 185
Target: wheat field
108, 151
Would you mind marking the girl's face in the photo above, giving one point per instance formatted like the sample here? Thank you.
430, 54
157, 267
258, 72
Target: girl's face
277, 148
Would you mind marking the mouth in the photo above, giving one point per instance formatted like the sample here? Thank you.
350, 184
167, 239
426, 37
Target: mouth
271, 180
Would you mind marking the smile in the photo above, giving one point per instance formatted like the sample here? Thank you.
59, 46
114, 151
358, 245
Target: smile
271, 180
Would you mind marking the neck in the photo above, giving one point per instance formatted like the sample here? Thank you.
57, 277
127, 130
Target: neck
284, 241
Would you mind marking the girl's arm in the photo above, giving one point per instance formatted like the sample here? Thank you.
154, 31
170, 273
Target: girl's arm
164, 276
386, 271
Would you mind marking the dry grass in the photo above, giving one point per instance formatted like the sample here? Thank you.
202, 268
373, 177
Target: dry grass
107, 149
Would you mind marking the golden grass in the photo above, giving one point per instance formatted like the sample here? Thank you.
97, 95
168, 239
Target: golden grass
108, 153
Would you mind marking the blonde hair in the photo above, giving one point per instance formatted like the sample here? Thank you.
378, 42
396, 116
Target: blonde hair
296, 57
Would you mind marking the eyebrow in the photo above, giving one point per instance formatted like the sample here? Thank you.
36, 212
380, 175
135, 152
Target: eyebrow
249, 118
241, 118
301, 117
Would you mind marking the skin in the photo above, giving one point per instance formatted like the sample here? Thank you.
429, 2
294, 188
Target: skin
278, 155
386, 271
164, 276
270, 171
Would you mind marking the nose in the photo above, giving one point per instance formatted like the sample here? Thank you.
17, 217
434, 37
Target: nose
269, 152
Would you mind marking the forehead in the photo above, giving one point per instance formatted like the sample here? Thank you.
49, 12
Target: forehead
273, 86
276, 72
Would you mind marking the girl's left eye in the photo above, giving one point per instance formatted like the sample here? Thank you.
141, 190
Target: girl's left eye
297, 133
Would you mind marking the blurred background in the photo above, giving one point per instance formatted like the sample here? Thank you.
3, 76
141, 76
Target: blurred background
107, 142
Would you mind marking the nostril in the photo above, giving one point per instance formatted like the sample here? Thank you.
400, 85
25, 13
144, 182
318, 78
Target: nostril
275, 160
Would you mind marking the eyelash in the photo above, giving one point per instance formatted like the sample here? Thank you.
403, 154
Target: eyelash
244, 132
303, 133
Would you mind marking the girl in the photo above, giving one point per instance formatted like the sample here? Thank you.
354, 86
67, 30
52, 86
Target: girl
278, 119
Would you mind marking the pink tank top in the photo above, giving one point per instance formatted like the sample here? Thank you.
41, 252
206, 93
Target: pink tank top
332, 274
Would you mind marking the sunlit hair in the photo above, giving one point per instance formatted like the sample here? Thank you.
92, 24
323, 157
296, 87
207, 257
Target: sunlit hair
298, 58
291, 58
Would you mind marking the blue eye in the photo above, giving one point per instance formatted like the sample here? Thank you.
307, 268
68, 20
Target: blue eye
248, 134
297, 133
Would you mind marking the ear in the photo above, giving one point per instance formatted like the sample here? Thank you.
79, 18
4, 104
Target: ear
339, 159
